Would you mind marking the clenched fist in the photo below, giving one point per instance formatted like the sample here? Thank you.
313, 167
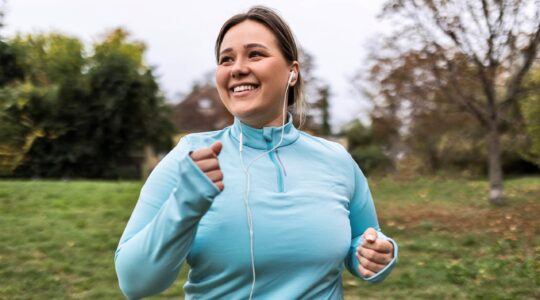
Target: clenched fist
373, 254
207, 160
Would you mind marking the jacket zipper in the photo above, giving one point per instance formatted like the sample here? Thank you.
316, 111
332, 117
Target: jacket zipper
279, 169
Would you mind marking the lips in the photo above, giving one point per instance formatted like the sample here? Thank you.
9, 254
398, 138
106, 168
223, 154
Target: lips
246, 87
243, 88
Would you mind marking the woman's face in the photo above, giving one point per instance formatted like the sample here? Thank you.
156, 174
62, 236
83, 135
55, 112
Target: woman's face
252, 74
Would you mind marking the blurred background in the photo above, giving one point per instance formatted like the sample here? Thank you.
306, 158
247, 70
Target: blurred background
437, 101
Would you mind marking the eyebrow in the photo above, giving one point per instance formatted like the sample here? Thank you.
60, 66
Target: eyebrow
248, 46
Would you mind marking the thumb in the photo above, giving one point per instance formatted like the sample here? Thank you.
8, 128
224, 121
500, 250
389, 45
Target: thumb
216, 147
370, 235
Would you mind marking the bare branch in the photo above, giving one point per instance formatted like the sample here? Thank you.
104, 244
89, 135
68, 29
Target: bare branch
529, 55
468, 102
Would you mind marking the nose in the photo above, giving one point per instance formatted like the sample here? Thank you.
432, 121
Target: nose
239, 69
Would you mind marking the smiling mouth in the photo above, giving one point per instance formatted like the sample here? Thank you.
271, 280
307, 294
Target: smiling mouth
244, 88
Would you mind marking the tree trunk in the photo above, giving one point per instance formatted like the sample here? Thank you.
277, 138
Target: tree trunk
495, 166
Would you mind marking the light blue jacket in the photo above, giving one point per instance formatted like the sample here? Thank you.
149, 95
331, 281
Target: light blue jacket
310, 204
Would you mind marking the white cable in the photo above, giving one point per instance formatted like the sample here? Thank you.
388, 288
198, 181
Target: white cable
248, 184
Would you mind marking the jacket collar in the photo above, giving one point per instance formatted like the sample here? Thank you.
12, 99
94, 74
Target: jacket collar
264, 138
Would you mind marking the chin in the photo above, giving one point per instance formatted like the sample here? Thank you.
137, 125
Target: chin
244, 111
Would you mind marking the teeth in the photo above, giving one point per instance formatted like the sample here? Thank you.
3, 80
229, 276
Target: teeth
242, 88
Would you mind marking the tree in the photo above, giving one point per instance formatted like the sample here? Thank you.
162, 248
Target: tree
79, 115
9, 70
317, 94
323, 105
48, 103
411, 116
480, 53
363, 148
530, 108
29, 99
127, 107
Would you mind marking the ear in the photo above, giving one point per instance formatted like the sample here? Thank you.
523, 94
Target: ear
295, 66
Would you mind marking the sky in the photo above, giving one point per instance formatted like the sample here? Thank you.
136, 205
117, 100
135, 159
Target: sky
180, 36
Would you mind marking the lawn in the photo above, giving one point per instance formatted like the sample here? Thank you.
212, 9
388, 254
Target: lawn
58, 240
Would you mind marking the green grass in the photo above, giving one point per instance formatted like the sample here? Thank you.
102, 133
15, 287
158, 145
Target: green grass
58, 240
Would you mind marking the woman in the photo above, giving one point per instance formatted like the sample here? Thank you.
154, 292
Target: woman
259, 209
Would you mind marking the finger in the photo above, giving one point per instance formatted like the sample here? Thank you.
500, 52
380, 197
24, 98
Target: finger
208, 164
374, 256
220, 185
364, 272
215, 175
381, 246
369, 265
370, 235
216, 147
202, 153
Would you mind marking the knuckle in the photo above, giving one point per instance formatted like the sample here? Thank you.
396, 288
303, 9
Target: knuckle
370, 254
390, 246
366, 264
363, 262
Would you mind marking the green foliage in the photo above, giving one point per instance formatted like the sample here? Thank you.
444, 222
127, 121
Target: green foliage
367, 154
49, 59
74, 115
370, 158
447, 248
9, 69
530, 109
357, 134
323, 105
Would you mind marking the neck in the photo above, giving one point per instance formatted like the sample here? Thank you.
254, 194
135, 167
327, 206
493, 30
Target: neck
258, 123
263, 138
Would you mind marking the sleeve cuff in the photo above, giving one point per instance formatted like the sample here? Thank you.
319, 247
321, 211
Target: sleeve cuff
191, 174
382, 274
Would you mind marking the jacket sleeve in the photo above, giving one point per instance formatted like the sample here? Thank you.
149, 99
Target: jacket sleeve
362, 216
161, 229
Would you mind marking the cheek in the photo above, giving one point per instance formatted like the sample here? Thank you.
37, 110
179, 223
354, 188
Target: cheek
274, 76
221, 80
221, 84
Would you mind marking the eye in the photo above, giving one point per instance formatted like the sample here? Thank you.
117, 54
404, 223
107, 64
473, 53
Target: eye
225, 60
255, 54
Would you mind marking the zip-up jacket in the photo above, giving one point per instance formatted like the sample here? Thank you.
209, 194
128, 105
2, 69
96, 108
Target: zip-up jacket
310, 205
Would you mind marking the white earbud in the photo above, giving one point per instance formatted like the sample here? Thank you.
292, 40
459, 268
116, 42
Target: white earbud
292, 77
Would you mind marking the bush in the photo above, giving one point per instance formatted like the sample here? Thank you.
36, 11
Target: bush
371, 159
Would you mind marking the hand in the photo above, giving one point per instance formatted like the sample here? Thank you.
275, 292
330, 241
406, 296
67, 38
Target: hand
207, 160
373, 254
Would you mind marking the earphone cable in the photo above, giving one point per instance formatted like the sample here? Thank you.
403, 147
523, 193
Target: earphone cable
248, 186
